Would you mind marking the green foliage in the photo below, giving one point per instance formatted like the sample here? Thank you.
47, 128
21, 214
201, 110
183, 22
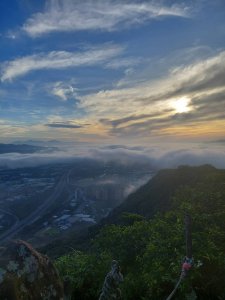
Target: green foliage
52, 232
150, 252
130, 218
84, 272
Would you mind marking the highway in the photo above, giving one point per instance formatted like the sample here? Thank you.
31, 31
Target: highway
20, 225
5, 212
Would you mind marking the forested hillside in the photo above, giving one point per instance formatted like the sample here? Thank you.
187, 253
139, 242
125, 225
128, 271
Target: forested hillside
155, 196
150, 245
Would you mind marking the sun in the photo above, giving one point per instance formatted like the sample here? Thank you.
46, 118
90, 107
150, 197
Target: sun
181, 105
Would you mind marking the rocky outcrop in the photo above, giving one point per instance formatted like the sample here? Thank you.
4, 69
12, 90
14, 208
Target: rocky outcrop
26, 274
110, 289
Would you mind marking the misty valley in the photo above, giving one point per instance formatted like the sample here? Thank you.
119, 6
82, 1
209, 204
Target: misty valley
43, 203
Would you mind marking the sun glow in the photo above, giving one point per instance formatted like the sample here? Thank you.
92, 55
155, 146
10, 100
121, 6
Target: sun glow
181, 105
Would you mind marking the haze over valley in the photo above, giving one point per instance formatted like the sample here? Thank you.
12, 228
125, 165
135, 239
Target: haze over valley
41, 203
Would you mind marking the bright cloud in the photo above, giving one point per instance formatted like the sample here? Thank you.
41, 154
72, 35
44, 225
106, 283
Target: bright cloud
64, 91
198, 88
59, 60
105, 15
181, 105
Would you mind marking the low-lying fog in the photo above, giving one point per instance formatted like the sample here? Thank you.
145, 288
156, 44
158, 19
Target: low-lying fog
157, 157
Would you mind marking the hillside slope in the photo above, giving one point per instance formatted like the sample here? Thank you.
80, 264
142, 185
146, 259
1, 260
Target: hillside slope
151, 250
156, 195
153, 197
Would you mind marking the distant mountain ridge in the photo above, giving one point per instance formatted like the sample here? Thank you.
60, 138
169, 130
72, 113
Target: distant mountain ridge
37, 142
23, 148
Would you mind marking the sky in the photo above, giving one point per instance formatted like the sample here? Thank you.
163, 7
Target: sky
112, 72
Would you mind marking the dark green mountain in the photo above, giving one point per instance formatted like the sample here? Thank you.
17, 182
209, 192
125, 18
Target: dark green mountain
151, 249
156, 195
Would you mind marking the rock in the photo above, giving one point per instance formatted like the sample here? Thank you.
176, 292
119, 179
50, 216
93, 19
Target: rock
110, 289
26, 274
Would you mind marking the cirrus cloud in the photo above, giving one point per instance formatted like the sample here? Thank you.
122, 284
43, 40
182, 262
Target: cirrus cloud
107, 15
59, 60
201, 82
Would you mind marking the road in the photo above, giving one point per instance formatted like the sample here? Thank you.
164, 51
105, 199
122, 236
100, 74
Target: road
16, 219
20, 225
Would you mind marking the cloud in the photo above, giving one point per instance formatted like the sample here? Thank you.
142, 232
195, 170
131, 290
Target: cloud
157, 157
59, 60
121, 121
14, 160
104, 15
64, 125
121, 155
201, 82
9, 129
193, 157
221, 141
119, 63
207, 108
133, 148
144, 110
204, 75
64, 91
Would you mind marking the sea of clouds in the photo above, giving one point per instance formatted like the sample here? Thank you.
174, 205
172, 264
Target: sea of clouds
157, 157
